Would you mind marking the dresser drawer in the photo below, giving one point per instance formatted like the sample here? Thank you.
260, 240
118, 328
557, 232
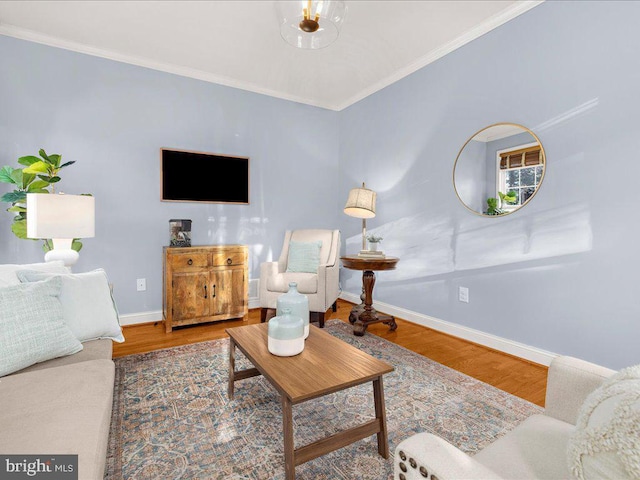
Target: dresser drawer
227, 258
186, 260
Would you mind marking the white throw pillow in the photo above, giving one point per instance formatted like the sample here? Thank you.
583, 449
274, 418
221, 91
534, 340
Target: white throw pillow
31, 327
606, 443
87, 305
8, 275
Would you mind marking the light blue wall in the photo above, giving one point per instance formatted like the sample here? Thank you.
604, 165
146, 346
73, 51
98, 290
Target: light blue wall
560, 274
470, 174
113, 118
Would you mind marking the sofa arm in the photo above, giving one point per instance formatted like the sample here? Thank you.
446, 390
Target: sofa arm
435, 458
569, 382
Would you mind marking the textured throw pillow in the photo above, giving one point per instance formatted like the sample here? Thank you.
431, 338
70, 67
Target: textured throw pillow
606, 443
8, 275
304, 256
31, 327
87, 305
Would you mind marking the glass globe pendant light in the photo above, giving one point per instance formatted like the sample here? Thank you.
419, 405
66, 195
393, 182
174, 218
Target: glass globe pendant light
311, 24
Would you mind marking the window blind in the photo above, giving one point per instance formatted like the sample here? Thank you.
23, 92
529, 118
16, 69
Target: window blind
524, 157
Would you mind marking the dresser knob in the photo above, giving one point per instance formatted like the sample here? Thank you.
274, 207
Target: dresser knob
190, 262
229, 261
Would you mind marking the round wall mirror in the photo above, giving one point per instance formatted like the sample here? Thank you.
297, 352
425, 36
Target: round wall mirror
499, 169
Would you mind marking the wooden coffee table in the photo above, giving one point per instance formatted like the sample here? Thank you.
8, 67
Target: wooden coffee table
326, 365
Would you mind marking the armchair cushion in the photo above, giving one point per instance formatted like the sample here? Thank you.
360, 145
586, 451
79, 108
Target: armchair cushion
606, 443
307, 282
304, 256
534, 449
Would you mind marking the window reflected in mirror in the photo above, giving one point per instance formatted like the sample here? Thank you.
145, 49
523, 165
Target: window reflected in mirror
499, 169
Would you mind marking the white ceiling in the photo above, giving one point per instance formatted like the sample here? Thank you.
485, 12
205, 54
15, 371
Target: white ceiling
238, 43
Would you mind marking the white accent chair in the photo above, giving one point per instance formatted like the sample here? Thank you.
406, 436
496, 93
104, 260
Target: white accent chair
321, 288
537, 448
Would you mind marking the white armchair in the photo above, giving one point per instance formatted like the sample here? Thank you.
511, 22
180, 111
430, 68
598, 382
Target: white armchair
535, 449
321, 288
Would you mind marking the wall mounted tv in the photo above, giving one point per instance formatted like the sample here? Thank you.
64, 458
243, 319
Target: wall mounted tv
203, 177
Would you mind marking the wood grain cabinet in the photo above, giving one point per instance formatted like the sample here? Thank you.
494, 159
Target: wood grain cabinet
205, 284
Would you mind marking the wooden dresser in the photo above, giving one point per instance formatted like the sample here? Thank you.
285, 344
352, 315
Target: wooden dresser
205, 284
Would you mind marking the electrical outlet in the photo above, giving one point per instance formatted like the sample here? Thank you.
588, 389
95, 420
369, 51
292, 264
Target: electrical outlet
141, 284
463, 294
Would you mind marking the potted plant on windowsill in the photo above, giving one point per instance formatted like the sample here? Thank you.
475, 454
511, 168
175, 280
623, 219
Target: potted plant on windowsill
508, 198
374, 240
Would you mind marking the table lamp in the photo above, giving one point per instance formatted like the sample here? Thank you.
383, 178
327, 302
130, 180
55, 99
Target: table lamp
361, 203
61, 218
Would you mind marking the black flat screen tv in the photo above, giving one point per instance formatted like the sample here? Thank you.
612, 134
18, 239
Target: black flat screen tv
203, 177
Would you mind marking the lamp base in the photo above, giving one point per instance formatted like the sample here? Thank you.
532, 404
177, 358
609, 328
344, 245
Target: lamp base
62, 251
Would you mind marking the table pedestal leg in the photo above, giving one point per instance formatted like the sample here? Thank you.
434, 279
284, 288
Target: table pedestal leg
364, 314
357, 310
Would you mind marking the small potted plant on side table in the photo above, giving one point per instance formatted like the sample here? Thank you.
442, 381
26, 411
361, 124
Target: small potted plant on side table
374, 240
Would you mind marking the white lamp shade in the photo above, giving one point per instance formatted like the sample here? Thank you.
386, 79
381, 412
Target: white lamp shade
361, 203
60, 216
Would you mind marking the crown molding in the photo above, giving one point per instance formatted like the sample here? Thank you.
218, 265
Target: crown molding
493, 22
32, 36
476, 32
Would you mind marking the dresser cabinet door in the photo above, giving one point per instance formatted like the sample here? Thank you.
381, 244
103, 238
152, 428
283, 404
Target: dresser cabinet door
228, 292
191, 295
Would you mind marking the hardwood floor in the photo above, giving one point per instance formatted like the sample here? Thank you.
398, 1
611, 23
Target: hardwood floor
511, 374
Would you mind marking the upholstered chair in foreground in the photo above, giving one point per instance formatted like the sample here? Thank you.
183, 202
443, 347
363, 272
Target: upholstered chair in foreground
589, 430
311, 259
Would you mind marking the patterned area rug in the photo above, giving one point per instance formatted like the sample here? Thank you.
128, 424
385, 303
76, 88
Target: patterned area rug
172, 419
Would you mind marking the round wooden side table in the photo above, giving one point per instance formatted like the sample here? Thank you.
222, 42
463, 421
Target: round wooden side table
363, 315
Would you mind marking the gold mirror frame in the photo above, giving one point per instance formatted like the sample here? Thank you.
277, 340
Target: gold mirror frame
537, 187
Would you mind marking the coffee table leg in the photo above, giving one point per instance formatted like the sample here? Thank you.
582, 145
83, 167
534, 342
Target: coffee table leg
378, 398
287, 427
232, 367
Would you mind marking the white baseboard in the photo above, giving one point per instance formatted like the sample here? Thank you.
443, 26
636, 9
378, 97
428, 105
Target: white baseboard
142, 317
511, 347
156, 316
517, 349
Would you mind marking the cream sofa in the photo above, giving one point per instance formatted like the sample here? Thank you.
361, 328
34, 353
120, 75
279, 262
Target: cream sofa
537, 448
61, 406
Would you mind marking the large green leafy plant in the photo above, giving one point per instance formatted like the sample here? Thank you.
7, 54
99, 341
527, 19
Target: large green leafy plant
39, 175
